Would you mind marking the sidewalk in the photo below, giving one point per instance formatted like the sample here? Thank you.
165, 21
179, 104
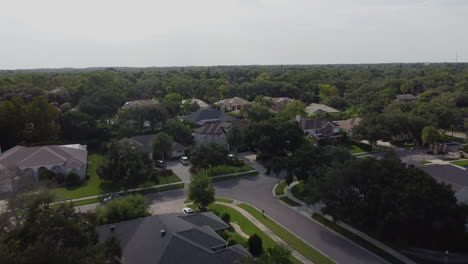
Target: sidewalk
309, 210
266, 230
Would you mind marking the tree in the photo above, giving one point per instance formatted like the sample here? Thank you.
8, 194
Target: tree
291, 110
235, 138
255, 245
206, 156
101, 104
404, 200
126, 165
326, 90
12, 122
52, 233
123, 209
430, 135
42, 119
373, 129
162, 144
77, 125
201, 190
256, 112
179, 131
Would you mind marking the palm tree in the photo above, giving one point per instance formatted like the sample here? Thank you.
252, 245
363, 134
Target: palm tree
235, 138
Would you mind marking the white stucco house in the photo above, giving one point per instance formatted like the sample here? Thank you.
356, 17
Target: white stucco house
32, 161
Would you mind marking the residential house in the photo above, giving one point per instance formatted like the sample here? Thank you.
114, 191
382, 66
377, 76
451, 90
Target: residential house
406, 98
209, 115
278, 102
457, 178
32, 161
200, 103
146, 142
320, 129
215, 132
172, 239
403, 136
137, 103
348, 125
319, 108
232, 104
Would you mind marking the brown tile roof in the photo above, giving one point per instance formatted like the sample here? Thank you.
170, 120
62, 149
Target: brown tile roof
279, 102
20, 156
233, 101
136, 103
348, 124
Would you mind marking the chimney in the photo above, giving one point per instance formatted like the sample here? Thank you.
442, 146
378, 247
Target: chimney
163, 232
298, 118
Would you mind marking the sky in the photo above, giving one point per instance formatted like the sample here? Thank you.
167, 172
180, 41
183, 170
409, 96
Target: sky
142, 33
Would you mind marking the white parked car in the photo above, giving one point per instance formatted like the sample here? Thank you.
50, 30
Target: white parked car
184, 160
188, 211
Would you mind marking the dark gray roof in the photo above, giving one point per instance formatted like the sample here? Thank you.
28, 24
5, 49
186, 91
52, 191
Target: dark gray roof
187, 239
207, 115
308, 123
449, 174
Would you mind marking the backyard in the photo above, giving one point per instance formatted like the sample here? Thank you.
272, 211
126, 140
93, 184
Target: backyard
95, 185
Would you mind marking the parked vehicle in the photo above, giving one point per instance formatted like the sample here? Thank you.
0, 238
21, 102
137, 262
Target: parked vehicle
188, 211
184, 160
113, 197
160, 163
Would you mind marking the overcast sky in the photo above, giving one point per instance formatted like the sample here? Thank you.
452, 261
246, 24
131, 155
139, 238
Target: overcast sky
88, 33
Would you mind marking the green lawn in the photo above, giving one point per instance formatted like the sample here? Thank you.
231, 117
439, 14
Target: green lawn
87, 201
288, 201
355, 149
298, 191
280, 188
247, 227
357, 239
95, 185
290, 239
230, 177
226, 169
461, 163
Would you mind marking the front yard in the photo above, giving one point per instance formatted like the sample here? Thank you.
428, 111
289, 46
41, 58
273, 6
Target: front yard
95, 185
461, 163
226, 169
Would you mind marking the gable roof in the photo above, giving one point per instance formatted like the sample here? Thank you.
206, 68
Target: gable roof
203, 116
309, 123
278, 102
137, 103
312, 108
200, 103
213, 128
232, 101
406, 97
70, 156
187, 239
348, 124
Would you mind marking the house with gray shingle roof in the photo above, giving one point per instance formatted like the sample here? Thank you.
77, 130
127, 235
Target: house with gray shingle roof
32, 161
215, 132
172, 239
320, 129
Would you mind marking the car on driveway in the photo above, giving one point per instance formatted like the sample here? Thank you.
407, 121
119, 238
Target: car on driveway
188, 211
184, 160
159, 164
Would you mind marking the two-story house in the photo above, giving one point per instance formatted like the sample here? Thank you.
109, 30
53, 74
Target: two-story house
320, 129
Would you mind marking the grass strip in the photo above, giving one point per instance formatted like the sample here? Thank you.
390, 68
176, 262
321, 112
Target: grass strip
289, 201
246, 226
356, 239
231, 177
86, 201
280, 188
292, 240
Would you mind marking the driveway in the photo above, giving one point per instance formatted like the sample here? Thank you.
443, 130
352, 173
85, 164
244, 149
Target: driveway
182, 171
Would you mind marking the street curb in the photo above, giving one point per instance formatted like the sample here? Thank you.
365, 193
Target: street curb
307, 243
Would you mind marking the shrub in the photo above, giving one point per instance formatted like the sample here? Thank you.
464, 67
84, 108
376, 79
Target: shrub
73, 179
255, 245
126, 208
226, 217
47, 176
362, 145
236, 162
60, 178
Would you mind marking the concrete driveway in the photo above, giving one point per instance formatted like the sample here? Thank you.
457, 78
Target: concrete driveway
182, 171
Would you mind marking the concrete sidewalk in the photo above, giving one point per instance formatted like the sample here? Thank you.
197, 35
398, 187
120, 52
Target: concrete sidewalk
266, 230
